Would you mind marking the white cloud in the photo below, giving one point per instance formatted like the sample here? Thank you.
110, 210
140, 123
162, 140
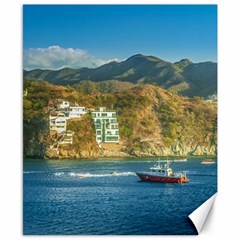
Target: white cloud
55, 57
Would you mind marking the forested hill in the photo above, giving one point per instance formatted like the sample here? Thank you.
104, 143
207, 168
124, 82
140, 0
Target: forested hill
184, 77
152, 122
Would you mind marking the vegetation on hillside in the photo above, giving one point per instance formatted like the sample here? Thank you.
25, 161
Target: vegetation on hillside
111, 86
184, 77
150, 119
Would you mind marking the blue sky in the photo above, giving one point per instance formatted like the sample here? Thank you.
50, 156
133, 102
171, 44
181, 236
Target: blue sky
97, 34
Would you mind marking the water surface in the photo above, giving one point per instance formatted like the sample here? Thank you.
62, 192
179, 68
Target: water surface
84, 197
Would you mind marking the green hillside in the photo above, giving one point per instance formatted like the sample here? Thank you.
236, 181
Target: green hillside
185, 77
152, 122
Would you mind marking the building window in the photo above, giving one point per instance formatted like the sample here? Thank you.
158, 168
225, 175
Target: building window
99, 132
104, 114
111, 138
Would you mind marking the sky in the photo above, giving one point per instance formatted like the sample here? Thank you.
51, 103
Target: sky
57, 36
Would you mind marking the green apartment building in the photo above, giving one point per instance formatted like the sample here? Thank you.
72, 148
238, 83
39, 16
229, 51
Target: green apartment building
106, 125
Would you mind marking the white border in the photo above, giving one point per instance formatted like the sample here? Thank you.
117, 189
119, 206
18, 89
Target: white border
199, 215
223, 222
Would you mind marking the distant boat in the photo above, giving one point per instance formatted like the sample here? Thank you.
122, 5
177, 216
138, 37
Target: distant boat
180, 160
207, 161
163, 173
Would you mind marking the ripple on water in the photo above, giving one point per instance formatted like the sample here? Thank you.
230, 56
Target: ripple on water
74, 197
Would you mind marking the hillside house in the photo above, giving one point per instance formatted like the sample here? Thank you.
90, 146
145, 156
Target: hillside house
106, 125
58, 122
64, 104
25, 93
77, 112
61, 111
67, 137
212, 98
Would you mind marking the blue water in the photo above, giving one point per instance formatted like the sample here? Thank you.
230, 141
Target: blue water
57, 200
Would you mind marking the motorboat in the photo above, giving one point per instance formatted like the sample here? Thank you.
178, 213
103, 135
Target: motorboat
162, 172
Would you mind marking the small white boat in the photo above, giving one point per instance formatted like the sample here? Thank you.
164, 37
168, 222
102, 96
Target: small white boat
207, 161
180, 160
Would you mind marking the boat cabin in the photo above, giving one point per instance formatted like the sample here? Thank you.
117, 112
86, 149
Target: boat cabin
163, 169
162, 172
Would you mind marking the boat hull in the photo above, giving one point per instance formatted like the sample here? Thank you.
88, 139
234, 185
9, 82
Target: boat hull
161, 179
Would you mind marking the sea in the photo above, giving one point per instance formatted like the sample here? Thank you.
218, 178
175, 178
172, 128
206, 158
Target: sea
106, 197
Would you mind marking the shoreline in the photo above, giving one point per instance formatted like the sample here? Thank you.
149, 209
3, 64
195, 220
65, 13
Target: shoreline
122, 158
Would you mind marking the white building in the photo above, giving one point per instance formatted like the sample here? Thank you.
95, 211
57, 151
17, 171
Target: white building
77, 112
212, 98
64, 104
106, 125
58, 122
67, 137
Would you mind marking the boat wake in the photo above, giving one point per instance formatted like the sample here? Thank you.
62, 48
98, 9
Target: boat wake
90, 175
30, 172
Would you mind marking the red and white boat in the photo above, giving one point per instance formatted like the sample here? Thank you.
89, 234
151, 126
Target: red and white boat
161, 172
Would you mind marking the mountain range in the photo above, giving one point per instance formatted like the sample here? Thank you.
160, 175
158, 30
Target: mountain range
183, 77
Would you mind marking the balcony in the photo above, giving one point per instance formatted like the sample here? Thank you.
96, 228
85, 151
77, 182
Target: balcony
111, 134
112, 139
105, 117
113, 121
